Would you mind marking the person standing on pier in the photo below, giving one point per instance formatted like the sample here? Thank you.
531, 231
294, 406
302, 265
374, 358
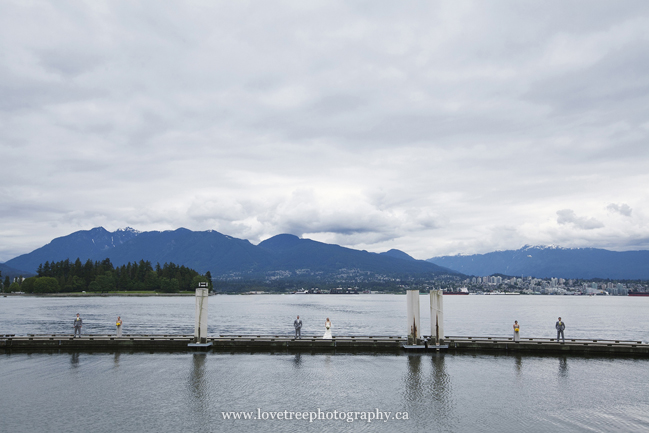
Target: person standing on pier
517, 328
78, 323
298, 327
560, 327
119, 326
327, 334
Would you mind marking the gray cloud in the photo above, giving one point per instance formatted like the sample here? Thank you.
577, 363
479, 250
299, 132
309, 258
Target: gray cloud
622, 209
568, 216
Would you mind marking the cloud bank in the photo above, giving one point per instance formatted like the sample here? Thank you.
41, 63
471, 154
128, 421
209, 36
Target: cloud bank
431, 127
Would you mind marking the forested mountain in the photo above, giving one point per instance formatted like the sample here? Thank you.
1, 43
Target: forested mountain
94, 244
8, 271
551, 261
293, 253
287, 256
398, 254
282, 256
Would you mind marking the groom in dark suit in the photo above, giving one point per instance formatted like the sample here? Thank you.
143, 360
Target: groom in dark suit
298, 327
78, 323
560, 327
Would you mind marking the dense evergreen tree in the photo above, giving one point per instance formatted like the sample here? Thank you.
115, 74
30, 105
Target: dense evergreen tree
28, 285
46, 285
102, 276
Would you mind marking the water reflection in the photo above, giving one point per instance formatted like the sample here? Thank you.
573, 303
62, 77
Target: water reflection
440, 378
441, 391
116, 359
413, 391
428, 389
563, 367
328, 361
518, 363
74, 359
169, 393
197, 385
297, 360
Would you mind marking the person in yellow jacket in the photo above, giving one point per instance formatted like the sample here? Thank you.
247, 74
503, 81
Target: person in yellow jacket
119, 326
517, 328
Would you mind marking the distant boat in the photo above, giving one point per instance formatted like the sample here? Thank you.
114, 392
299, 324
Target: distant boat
460, 291
638, 293
341, 291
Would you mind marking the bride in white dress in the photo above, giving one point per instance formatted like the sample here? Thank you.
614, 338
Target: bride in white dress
327, 334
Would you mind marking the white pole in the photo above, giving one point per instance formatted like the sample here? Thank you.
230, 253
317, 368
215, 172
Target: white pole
412, 300
200, 329
437, 316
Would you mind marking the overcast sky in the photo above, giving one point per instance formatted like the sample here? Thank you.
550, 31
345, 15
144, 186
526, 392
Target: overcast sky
432, 127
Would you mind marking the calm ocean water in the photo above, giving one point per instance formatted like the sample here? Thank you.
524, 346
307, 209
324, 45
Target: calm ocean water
585, 317
143, 392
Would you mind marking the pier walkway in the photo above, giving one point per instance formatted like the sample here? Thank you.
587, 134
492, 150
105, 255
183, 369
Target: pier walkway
277, 343
550, 345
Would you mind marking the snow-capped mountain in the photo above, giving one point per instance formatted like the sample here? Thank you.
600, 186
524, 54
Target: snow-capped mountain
552, 261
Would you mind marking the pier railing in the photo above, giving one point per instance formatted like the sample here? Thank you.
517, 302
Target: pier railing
279, 342
339, 337
544, 340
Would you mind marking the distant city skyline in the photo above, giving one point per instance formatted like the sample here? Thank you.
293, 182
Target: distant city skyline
435, 128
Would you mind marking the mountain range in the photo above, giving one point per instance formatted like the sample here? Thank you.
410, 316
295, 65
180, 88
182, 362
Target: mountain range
8, 271
283, 256
552, 261
287, 256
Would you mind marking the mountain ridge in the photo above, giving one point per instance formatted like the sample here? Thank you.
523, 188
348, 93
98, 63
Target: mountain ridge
552, 261
228, 257
285, 255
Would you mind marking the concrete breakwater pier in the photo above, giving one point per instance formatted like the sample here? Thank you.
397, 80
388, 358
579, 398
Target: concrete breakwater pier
279, 343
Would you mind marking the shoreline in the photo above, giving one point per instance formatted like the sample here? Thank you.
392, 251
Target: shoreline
143, 295
94, 295
127, 294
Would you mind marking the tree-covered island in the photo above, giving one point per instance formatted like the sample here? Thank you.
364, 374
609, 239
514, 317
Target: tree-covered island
101, 276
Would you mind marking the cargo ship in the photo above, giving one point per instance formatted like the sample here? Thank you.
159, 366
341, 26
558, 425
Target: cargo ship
638, 293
